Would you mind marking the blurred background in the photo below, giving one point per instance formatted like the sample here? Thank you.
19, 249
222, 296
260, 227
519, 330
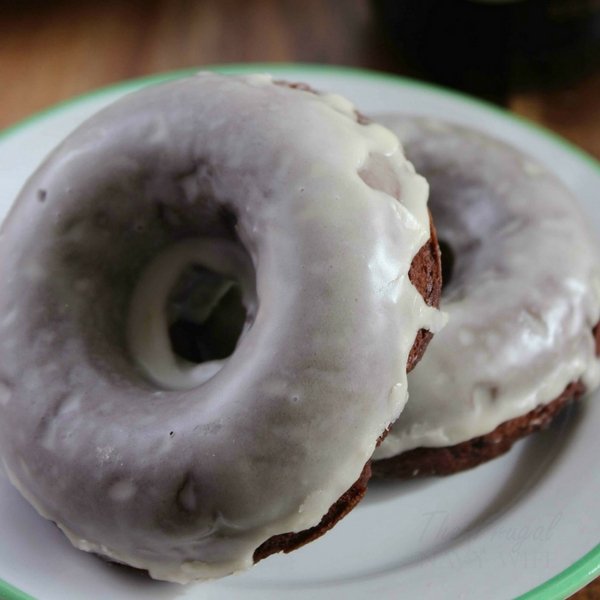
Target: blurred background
538, 58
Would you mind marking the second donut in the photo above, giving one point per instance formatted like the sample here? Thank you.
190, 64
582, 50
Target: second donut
522, 293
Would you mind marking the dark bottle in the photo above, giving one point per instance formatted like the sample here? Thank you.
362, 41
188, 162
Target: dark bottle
493, 46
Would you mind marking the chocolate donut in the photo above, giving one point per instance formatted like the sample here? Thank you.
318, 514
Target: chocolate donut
522, 293
206, 321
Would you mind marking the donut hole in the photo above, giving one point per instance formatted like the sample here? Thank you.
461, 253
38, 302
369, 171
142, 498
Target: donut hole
190, 308
448, 257
206, 315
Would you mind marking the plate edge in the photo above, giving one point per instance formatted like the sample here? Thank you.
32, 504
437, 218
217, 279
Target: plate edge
586, 568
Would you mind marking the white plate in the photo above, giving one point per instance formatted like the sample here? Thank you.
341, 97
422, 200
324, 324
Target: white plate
495, 532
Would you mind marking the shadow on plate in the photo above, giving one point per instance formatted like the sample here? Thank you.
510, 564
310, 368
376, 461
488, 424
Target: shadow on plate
142, 581
536, 456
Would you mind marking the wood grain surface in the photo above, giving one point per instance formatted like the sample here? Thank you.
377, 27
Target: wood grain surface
53, 50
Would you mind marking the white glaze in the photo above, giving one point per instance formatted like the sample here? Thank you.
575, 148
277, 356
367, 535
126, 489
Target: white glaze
187, 483
523, 297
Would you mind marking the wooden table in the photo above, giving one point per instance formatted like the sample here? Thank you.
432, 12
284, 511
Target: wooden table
53, 50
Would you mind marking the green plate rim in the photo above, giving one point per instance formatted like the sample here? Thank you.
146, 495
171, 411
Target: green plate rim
582, 571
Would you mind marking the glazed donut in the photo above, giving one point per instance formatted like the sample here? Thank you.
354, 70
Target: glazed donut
193, 459
522, 293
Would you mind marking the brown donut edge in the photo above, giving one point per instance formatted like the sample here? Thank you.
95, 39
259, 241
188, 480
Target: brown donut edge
423, 461
426, 275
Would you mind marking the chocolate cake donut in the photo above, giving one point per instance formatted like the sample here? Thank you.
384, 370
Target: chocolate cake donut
206, 318
522, 293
